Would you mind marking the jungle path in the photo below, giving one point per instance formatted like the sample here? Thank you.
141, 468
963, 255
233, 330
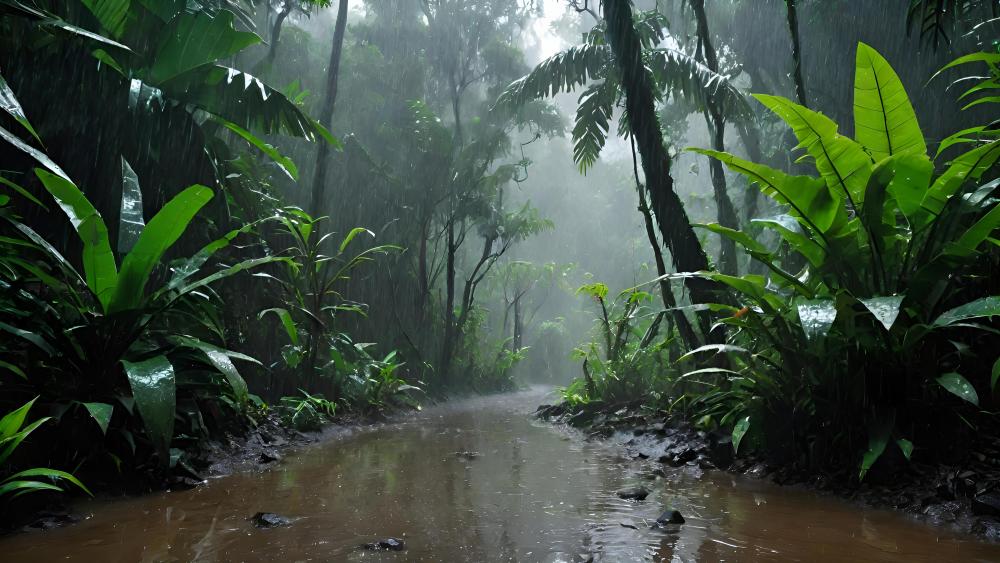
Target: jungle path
480, 480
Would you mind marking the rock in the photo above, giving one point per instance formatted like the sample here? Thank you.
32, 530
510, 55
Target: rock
659, 472
988, 528
671, 516
638, 431
388, 544
50, 520
628, 525
269, 520
467, 455
633, 493
269, 456
986, 504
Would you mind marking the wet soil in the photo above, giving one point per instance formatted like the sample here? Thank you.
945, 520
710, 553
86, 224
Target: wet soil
484, 480
964, 497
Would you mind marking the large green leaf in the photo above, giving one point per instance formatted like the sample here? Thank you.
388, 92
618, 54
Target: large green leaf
245, 100
968, 166
11, 423
111, 14
884, 120
286, 164
984, 307
32, 152
53, 474
131, 221
791, 232
878, 437
222, 361
9, 103
159, 235
739, 431
189, 267
885, 309
910, 179
286, 321
809, 198
970, 240
154, 388
101, 413
816, 316
196, 39
841, 162
957, 385
99, 266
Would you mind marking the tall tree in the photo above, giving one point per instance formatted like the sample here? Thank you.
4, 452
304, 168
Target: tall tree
326, 111
716, 119
678, 235
793, 30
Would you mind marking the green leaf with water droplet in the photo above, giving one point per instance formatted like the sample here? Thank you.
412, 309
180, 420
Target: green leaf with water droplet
155, 391
101, 413
739, 431
817, 316
906, 447
885, 309
959, 386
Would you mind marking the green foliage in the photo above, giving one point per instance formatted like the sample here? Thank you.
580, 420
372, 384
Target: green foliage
306, 413
866, 332
13, 431
675, 73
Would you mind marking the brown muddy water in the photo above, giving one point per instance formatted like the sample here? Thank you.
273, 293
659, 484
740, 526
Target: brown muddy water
534, 493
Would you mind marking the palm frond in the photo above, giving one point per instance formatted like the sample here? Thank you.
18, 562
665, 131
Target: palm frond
681, 75
563, 72
593, 119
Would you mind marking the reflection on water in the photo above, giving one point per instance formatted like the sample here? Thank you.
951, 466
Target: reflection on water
532, 493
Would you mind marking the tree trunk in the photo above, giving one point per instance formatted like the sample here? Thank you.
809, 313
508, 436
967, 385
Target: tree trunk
793, 29
685, 249
716, 121
683, 326
448, 346
272, 50
326, 111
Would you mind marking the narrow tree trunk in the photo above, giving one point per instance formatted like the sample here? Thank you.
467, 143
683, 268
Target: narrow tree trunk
793, 29
683, 326
272, 50
678, 235
717, 127
518, 325
326, 112
448, 346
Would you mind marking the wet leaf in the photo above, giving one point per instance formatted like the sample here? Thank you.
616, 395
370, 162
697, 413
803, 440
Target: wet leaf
878, 437
985, 307
101, 413
99, 265
9, 103
286, 164
906, 447
157, 237
885, 309
884, 120
194, 40
739, 431
131, 222
959, 386
111, 14
817, 316
154, 389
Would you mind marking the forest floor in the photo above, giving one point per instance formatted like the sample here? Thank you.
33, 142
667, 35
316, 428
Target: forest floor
249, 449
964, 496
